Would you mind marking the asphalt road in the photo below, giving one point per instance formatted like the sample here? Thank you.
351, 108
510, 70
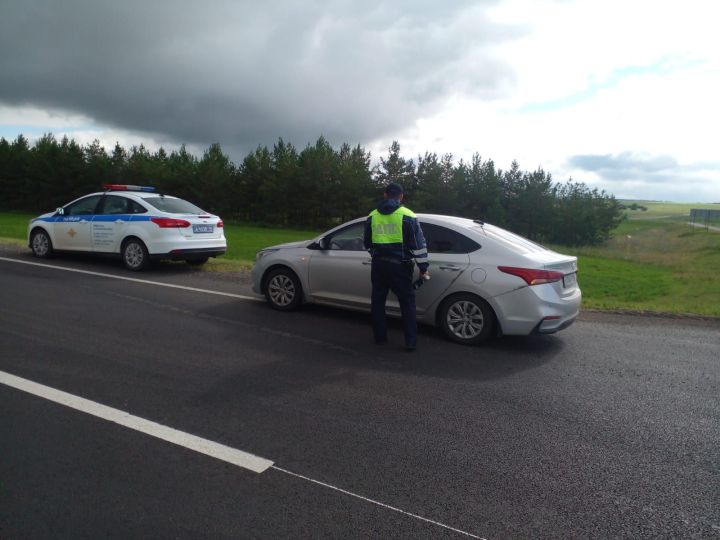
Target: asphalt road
610, 428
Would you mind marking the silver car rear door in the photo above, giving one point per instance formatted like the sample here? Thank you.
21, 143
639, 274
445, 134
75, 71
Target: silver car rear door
447, 258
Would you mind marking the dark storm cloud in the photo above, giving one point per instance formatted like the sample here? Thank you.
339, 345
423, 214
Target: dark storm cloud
246, 73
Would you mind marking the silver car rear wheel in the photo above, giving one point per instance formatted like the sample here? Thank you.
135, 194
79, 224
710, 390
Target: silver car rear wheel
283, 290
467, 319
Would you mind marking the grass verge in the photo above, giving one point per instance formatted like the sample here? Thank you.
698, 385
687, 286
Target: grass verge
654, 263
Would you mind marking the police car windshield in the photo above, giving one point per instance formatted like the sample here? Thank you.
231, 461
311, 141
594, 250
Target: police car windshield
173, 205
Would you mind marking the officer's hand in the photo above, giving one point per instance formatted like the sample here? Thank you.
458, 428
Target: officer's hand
425, 275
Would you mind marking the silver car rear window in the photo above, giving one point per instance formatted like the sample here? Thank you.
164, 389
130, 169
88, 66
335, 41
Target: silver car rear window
173, 205
512, 241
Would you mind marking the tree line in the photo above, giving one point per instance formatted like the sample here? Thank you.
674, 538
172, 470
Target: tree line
316, 187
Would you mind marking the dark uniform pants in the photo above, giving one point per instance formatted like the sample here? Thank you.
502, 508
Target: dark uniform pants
397, 277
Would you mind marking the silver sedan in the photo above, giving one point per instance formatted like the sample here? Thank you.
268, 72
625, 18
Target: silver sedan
485, 281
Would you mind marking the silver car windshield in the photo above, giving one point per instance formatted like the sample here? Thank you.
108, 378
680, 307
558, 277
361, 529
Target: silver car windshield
173, 205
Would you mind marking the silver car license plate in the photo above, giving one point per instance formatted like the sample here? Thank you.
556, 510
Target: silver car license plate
203, 228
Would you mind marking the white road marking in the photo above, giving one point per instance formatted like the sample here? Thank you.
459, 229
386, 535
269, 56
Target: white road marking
135, 280
275, 467
186, 440
192, 442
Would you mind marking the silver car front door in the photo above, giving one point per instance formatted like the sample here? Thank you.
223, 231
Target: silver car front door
340, 274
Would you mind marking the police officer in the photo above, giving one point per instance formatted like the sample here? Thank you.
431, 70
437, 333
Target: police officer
396, 243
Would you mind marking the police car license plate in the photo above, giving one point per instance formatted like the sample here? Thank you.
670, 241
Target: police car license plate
203, 228
569, 280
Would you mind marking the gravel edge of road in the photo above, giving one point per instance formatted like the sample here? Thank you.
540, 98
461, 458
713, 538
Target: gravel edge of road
239, 273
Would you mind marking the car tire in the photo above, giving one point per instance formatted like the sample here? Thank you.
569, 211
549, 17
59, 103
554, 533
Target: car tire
134, 255
467, 319
197, 262
40, 244
283, 290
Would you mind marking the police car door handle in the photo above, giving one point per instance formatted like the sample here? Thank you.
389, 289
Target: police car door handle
119, 221
450, 267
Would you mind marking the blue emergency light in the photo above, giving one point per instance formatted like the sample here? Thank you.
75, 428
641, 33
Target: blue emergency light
127, 187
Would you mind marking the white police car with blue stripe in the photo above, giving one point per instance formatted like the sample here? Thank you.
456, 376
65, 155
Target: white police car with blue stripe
133, 222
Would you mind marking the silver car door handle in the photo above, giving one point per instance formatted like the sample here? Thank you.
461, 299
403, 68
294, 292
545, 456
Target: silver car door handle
453, 268
367, 262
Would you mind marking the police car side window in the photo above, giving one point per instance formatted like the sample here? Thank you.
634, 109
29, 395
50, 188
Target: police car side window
349, 238
443, 240
115, 205
135, 208
83, 207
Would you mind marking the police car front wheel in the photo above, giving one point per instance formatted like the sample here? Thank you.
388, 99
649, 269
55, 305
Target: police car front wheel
283, 290
41, 244
134, 255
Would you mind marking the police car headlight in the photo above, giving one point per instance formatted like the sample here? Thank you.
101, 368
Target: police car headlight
261, 254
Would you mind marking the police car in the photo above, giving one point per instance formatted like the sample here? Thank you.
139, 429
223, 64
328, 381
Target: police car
133, 221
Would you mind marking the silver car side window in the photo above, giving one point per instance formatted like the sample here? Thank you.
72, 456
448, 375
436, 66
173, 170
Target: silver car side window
348, 239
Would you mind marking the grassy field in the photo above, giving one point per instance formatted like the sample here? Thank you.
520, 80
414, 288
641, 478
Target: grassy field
655, 261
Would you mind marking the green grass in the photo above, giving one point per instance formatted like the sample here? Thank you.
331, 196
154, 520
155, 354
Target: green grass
660, 265
654, 262
13, 227
666, 210
245, 241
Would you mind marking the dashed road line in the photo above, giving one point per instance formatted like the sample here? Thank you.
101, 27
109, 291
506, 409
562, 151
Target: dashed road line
192, 442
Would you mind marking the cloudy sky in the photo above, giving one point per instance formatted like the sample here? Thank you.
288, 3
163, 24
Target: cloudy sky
620, 94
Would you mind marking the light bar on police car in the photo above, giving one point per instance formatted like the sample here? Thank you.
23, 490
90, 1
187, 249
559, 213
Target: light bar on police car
127, 187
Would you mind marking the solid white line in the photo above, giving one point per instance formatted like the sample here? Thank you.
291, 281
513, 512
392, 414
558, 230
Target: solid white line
186, 440
204, 446
136, 280
394, 509
180, 438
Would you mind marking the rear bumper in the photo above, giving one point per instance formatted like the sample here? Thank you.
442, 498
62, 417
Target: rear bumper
191, 253
552, 325
536, 310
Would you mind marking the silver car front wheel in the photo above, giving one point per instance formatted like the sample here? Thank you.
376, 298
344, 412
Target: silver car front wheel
467, 319
283, 290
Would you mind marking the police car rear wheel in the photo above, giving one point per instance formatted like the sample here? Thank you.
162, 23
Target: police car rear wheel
466, 319
41, 244
283, 290
135, 255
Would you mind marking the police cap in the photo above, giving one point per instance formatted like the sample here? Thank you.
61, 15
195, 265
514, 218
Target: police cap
393, 190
